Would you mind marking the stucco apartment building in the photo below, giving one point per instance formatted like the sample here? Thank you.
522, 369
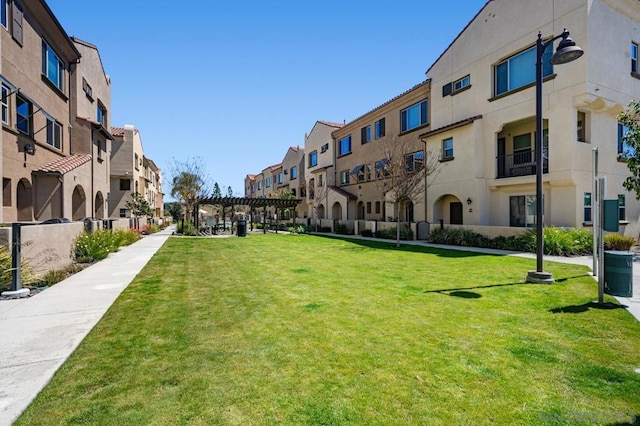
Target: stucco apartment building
362, 148
483, 112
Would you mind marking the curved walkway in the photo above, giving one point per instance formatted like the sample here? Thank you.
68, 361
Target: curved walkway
38, 334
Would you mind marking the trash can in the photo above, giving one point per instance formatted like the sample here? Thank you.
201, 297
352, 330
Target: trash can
241, 228
618, 273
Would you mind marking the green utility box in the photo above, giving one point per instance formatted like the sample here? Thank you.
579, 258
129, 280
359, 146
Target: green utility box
618, 273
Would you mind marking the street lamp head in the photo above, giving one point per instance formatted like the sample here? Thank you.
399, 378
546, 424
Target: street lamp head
567, 50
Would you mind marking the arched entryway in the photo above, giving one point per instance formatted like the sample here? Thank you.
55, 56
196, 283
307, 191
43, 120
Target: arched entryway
99, 206
408, 211
448, 208
361, 210
24, 200
336, 211
78, 203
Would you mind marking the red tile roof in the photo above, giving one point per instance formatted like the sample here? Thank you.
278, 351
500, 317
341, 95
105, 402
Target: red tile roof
251, 177
119, 131
65, 164
331, 124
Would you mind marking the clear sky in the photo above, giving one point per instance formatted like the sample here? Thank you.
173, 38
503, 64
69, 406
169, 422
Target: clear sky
238, 82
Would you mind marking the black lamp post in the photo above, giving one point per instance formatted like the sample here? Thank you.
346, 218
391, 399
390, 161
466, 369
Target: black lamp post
567, 52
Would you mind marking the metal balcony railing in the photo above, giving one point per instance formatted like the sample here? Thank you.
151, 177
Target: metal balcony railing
521, 163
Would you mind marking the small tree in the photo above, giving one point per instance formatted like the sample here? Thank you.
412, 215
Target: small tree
216, 190
630, 119
320, 195
173, 209
402, 171
229, 192
138, 206
189, 181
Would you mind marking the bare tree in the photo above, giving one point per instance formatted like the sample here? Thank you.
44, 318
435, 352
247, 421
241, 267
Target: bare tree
402, 171
320, 196
189, 181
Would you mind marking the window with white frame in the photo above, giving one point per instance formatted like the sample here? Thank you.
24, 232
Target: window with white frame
447, 149
344, 145
519, 70
344, 177
54, 133
461, 83
365, 134
5, 103
622, 206
52, 66
267, 182
587, 207
23, 115
280, 177
624, 149
87, 89
414, 161
634, 57
380, 128
368, 172
259, 185
414, 116
294, 173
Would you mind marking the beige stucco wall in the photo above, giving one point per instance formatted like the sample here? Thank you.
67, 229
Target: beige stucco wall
22, 68
320, 135
599, 87
126, 163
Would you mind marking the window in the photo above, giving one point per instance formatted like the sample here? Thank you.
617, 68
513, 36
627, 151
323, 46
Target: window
4, 9
587, 207
461, 84
6, 192
54, 133
125, 185
381, 169
324, 148
414, 161
414, 116
135, 162
447, 149
5, 103
581, 125
622, 207
522, 149
87, 89
344, 177
368, 172
519, 70
345, 145
522, 210
624, 149
365, 135
101, 114
267, 182
321, 180
280, 177
294, 172
368, 207
123, 212
16, 21
23, 115
380, 130
377, 207
259, 185
634, 58
52, 66
313, 159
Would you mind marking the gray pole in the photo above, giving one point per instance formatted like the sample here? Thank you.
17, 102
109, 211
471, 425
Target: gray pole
595, 213
601, 191
16, 276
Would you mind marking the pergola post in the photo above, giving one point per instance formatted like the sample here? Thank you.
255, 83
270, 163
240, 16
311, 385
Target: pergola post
264, 220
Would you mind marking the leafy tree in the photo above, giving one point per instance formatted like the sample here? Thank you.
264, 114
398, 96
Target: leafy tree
173, 209
402, 176
630, 119
216, 190
229, 192
138, 205
189, 181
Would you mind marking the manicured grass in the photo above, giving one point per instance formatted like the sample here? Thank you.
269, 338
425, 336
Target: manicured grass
290, 329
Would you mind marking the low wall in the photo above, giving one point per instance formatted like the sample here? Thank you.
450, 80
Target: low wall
46, 247
487, 231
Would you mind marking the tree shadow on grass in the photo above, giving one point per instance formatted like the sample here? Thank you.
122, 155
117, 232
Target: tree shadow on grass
634, 422
577, 309
412, 248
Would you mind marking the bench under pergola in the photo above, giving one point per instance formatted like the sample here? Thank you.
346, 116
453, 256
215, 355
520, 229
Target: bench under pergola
253, 203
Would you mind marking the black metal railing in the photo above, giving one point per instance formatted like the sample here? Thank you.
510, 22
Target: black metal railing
520, 163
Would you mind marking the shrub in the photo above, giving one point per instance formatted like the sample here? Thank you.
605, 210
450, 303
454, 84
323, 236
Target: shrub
341, 228
146, 230
28, 278
391, 233
94, 246
125, 238
618, 242
367, 233
324, 229
301, 229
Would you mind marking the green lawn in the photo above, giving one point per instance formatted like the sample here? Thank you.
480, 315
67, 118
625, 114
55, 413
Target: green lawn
290, 329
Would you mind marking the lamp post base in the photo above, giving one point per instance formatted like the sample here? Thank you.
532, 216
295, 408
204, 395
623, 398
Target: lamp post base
536, 277
17, 294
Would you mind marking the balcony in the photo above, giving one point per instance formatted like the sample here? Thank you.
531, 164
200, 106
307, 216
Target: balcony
521, 163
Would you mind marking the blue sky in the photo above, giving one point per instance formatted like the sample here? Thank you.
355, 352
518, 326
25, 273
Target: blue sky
238, 82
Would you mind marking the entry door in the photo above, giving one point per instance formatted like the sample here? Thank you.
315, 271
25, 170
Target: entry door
455, 213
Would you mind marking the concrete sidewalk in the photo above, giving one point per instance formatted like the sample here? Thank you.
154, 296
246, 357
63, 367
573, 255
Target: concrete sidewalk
38, 334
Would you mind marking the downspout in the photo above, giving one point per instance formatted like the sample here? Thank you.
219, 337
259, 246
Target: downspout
92, 176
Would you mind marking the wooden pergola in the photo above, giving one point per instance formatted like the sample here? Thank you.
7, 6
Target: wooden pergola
253, 203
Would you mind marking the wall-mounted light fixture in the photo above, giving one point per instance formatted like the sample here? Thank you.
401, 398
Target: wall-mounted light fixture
29, 149
469, 201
